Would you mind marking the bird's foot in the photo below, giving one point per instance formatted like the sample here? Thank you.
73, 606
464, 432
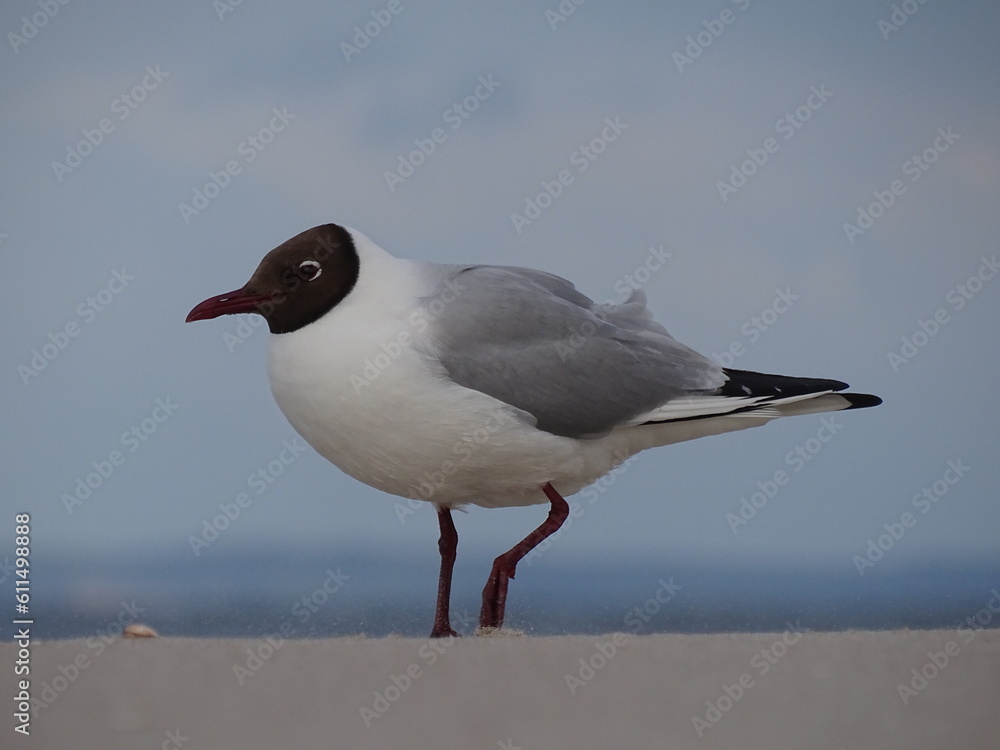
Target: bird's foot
444, 631
495, 594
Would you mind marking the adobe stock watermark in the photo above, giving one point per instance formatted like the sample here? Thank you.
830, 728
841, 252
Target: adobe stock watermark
655, 260
399, 684
761, 663
705, 38
638, 617
956, 298
754, 328
901, 13
248, 323
249, 149
454, 117
259, 481
581, 158
923, 501
365, 33
463, 449
174, 739
786, 127
592, 493
87, 310
606, 650
301, 611
225, 7
561, 13
96, 644
624, 288
914, 168
31, 25
469, 445
122, 106
796, 459
937, 661
590, 667
417, 321
131, 440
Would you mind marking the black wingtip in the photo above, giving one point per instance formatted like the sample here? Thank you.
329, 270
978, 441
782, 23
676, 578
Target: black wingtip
749, 383
860, 400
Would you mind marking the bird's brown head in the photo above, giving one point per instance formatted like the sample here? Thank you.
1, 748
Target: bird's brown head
296, 283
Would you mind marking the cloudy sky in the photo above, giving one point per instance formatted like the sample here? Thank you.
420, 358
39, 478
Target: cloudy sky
814, 187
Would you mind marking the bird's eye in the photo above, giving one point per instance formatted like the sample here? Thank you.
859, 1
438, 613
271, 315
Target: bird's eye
309, 270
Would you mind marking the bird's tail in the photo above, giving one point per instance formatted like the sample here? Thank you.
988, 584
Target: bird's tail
761, 396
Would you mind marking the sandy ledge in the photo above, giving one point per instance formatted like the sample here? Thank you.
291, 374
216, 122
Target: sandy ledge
762, 690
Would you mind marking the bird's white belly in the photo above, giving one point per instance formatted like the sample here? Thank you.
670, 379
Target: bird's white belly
385, 418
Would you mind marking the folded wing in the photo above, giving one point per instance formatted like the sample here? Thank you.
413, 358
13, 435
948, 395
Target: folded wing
580, 369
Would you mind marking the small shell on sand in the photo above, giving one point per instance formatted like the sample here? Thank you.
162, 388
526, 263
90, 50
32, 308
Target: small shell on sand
136, 630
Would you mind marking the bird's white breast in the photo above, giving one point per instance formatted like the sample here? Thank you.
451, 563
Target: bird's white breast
357, 385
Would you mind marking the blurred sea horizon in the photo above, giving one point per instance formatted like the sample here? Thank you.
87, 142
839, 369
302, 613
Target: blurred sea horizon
315, 593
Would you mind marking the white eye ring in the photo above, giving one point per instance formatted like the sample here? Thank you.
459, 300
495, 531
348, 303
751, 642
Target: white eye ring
310, 270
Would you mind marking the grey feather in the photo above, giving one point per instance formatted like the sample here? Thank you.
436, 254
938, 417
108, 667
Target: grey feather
531, 340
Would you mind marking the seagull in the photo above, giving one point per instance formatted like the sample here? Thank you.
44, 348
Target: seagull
497, 386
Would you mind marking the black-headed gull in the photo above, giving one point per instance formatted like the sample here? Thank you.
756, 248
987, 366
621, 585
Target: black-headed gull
490, 385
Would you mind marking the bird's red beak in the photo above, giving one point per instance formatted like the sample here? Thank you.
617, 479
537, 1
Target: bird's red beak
240, 301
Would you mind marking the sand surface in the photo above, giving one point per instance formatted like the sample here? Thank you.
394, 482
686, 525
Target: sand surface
771, 690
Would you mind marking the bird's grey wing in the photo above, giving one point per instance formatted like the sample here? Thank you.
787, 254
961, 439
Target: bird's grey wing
531, 340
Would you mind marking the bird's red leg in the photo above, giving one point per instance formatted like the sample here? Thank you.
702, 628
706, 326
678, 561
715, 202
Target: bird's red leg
495, 593
448, 546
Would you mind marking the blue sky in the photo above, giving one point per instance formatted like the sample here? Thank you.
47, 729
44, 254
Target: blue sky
116, 114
